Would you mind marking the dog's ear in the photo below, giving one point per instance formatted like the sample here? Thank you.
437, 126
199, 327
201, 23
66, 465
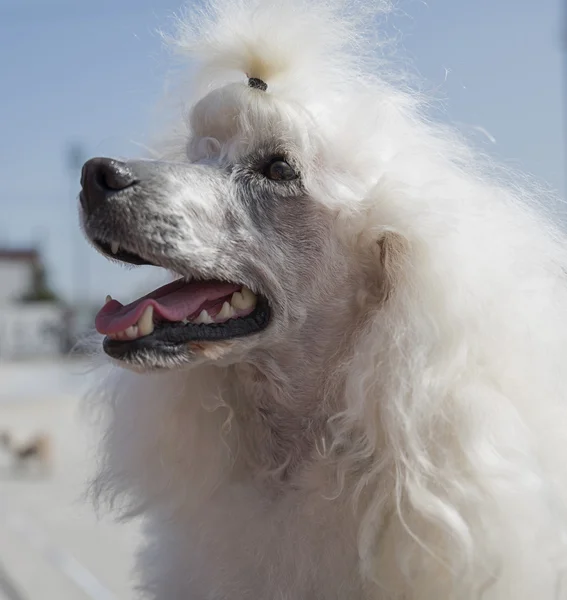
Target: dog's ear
393, 251
385, 257
383, 249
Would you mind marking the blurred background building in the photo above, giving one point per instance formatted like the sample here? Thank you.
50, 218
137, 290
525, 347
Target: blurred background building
33, 321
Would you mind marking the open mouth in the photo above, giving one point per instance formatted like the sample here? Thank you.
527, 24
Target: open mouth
186, 310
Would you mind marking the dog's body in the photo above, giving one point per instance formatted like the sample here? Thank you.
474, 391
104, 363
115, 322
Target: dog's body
382, 414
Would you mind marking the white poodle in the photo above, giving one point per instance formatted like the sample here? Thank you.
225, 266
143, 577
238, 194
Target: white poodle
356, 388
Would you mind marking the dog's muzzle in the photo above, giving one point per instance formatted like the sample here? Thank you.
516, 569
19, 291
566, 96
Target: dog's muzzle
123, 221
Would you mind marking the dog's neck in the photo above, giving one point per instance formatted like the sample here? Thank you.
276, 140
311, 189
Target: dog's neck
282, 403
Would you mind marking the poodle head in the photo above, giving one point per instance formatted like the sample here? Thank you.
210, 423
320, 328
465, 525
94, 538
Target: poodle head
258, 211
259, 254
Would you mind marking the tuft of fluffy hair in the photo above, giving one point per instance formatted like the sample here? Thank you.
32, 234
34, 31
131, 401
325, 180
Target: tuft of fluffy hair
448, 439
319, 44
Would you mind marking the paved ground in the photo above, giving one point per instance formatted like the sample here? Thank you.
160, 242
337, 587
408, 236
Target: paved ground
51, 545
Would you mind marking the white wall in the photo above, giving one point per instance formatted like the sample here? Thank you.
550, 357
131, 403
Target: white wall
29, 330
15, 279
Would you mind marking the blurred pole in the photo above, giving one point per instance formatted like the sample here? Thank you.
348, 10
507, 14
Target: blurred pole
79, 263
564, 93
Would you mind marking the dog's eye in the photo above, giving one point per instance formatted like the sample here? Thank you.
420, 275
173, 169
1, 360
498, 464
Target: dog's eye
280, 170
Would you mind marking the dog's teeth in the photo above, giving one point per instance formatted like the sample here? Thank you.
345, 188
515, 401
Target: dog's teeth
237, 300
249, 296
132, 332
146, 321
114, 247
120, 335
108, 299
244, 299
226, 312
204, 317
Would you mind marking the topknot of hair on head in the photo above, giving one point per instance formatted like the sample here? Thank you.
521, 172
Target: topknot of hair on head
257, 84
306, 49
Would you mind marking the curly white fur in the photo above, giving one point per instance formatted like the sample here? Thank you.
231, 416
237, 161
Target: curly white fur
430, 433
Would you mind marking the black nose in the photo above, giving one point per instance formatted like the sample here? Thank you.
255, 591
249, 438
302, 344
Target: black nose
101, 178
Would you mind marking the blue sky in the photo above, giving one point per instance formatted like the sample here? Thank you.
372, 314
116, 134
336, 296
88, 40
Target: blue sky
93, 72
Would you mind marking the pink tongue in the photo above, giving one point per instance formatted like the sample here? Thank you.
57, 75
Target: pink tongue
172, 302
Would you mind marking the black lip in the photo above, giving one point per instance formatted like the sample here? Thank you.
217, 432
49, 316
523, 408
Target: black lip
170, 338
122, 255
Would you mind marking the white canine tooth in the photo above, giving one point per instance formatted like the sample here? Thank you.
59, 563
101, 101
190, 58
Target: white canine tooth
249, 296
237, 300
146, 321
132, 332
108, 299
226, 312
204, 317
114, 247
244, 299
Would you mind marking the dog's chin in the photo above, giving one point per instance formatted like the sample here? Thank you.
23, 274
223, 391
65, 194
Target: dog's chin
146, 360
181, 357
